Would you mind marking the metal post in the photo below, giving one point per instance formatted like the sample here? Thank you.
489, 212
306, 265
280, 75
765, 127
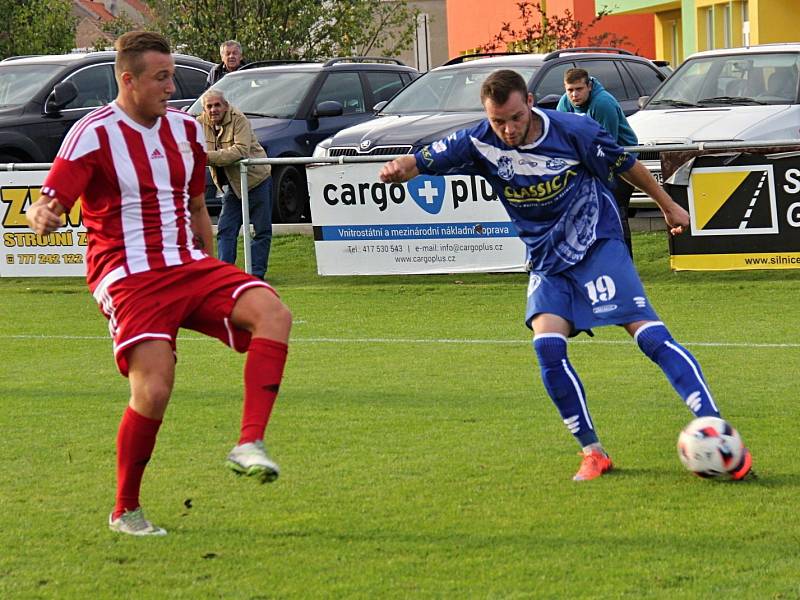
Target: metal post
248, 262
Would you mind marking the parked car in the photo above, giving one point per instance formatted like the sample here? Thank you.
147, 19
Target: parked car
730, 95
447, 98
295, 105
41, 97
665, 67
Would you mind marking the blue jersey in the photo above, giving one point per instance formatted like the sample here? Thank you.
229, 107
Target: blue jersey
556, 190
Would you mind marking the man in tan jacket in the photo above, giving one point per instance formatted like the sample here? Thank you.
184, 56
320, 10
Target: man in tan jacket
229, 139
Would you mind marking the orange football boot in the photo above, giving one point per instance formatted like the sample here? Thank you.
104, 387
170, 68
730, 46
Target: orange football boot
594, 464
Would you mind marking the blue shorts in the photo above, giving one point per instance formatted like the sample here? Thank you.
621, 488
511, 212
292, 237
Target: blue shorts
602, 289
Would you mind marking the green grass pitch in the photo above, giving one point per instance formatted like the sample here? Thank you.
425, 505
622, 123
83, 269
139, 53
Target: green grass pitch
420, 455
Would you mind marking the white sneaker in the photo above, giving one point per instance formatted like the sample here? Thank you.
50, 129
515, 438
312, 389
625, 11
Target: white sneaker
133, 522
251, 459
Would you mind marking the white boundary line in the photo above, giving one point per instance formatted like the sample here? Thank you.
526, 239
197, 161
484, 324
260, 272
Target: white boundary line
331, 340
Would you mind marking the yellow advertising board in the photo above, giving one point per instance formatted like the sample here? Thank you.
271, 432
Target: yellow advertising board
744, 212
26, 254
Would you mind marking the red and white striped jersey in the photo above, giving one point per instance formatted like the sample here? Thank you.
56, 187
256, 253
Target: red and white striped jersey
135, 183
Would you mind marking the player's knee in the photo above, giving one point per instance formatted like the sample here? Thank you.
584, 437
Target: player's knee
150, 398
651, 337
157, 394
280, 314
270, 318
550, 349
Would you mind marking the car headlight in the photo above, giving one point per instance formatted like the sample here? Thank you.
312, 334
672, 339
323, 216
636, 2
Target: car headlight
321, 151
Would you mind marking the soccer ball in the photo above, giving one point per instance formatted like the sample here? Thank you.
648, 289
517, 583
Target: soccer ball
710, 447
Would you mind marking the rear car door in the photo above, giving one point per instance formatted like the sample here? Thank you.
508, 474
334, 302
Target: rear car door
382, 85
96, 87
646, 77
344, 87
549, 85
190, 83
606, 72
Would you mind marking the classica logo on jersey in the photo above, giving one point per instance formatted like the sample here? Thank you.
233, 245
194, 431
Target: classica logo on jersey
428, 192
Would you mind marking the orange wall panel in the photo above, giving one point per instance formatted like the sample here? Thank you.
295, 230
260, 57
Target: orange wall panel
472, 23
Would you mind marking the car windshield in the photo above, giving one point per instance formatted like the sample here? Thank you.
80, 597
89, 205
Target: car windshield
19, 83
263, 94
744, 79
446, 90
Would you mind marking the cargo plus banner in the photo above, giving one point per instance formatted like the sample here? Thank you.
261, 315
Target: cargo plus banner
25, 254
744, 210
431, 224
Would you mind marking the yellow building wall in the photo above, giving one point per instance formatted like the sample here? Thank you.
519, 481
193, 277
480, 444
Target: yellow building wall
770, 21
773, 21
718, 8
665, 21
736, 22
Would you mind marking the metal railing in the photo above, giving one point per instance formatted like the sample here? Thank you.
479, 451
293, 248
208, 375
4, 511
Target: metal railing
341, 160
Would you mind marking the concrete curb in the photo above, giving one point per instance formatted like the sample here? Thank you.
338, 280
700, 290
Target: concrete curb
292, 228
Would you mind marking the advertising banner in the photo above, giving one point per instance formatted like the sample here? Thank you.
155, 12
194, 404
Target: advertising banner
431, 224
744, 212
25, 254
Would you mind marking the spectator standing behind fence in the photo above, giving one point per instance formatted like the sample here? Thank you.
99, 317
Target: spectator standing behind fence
230, 53
587, 96
229, 139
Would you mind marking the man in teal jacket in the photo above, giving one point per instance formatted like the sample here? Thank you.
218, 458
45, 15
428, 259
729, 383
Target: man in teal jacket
587, 96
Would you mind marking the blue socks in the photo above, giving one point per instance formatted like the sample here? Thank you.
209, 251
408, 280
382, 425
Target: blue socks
564, 387
566, 391
680, 367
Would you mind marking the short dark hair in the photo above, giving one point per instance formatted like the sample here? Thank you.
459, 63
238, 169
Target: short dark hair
576, 75
132, 45
498, 86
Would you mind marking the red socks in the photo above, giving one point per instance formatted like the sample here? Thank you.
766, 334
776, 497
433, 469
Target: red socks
135, 442
263, 371
136, 438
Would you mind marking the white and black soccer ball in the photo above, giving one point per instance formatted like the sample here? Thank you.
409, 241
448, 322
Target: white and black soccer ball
710, 447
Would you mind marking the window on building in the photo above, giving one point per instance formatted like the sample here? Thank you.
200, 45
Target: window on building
677, 54
745, 23
727, 26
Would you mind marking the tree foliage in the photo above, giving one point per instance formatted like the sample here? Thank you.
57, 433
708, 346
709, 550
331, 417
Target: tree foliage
36, 27
540, 32
286, 28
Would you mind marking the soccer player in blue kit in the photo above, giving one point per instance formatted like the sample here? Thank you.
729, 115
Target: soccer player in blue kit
554, 173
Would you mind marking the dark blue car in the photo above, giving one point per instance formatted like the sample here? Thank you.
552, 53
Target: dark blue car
293, 106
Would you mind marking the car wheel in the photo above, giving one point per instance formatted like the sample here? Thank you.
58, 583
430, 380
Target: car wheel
290, 195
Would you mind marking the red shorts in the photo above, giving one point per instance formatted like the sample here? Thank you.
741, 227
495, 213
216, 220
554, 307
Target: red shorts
153, 305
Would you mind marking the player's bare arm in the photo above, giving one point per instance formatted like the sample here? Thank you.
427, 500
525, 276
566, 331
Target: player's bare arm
399, 170
675, 215
201, 224
44, 215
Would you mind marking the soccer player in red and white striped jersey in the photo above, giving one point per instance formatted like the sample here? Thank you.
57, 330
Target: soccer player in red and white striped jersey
139, 168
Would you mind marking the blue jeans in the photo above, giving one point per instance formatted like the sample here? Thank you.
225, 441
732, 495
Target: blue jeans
230, 222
